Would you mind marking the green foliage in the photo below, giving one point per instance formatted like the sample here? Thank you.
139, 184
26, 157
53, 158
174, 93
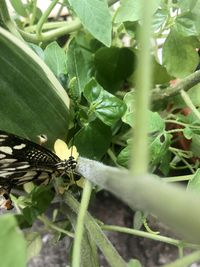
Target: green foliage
113, 65
95, 17
132, 10
30, 91
183, 57
54, 57
92, 59
12, 244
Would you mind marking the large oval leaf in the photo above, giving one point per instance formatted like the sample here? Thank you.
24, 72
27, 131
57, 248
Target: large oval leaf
32, 100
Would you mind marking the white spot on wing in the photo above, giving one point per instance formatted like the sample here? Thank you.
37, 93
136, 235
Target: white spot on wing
23, 167
3, 136
27, 177
4, 174
6, 149
8, 161
2, 156
19, 146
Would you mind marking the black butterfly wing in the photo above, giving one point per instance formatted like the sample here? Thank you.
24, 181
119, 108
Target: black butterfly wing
22, 161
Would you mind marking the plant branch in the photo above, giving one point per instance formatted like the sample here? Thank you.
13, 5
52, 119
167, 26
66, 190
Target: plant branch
185, 84
160, 238
53, 34
44, 17
178, 178
170, 203
49, 224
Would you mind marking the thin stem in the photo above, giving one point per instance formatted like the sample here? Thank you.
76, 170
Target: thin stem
175, 131
76, 259
48, 26
160, 238
182, 124
178, 178
34, 12
189, 103
45, 16
54, 227
112, 156
53, 34
139, 159
181, 157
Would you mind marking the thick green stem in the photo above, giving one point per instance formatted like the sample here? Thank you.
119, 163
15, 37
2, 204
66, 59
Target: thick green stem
139, 161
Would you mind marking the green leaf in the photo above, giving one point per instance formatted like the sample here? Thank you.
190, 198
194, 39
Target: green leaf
95, 17
107, 107
124, 156
194, 94
19, 7
79, 64
187, 132
160, 74
12, 243
138, 220
195, 144
179, 55
93, 140
159, 18
194, 183
186, 5
185, 24
156, 123
165, 163
37, 202
113, 66
158, 147
130, 10
32, 100
55, 58
34, 244
134, 263
37, 49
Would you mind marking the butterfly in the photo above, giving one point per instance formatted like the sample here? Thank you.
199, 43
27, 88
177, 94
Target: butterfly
22, 161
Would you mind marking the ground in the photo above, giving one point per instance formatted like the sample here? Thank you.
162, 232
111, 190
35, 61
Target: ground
112, 211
